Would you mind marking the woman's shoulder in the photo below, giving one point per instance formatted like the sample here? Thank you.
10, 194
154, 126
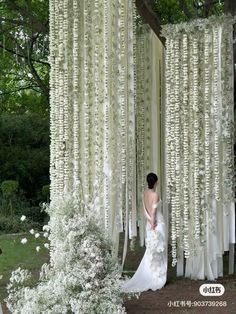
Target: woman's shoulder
155, 196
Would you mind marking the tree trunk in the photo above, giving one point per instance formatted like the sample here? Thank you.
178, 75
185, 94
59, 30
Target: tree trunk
230, 6
145, 10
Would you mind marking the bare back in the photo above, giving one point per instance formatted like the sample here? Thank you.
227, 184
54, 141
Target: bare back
150, 198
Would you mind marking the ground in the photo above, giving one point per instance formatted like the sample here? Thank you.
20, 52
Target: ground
182, 289
176, 289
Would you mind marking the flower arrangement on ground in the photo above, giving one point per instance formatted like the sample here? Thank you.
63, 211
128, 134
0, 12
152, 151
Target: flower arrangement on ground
82, 277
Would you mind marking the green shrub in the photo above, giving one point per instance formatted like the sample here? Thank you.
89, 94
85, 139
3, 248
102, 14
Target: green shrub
33, 213
9, 190
15, 225
46, 192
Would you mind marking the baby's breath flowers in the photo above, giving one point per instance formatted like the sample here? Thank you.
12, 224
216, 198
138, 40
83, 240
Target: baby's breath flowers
23, 217
24, 241
82, 276
38, 248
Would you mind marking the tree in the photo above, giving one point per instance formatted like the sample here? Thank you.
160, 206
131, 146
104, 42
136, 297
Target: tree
158, 12
24, 41
24, 151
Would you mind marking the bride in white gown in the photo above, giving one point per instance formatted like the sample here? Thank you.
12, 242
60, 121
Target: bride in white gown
152, 271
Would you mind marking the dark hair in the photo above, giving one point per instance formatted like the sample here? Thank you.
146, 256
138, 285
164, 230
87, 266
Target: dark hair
151, 179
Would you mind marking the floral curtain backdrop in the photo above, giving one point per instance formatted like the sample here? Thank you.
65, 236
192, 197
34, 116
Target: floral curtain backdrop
100, 116
199, 127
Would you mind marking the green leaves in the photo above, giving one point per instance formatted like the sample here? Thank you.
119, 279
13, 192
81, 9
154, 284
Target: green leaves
24, 151
24, 48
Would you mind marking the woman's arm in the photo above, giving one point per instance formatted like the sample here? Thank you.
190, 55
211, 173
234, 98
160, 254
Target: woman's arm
153, 211
153, 218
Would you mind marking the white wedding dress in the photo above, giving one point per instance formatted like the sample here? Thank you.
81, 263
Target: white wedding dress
152, 271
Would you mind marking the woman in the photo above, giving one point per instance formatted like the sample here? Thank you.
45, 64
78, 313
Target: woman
151, 273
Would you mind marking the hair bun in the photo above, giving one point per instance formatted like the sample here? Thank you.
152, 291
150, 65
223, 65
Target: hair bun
151, 180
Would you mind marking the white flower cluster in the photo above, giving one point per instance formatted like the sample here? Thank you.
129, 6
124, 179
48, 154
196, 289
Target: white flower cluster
198, 128
92, 99
82, 276
143, 113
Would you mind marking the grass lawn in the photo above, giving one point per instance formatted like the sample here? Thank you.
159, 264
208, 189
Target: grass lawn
15, 254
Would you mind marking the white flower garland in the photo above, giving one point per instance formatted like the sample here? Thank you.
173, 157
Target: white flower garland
106, 112
172, 158
196, 136
120, 112
52, 100
140, 120
168, 120
198, 121
216, 114
86, 99
228, 118
131, 85
67, 178
176, 135
207, 114
185, 148
76, 96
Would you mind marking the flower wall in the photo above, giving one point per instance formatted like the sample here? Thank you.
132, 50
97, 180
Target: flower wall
199, 127
100, 117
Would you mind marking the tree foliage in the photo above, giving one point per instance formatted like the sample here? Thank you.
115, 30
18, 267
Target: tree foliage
24, 47
24, 151
159, 12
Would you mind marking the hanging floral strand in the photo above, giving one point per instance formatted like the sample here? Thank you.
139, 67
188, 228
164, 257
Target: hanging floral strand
216, 114
66, 143
207, 114
167, 120
172, 156
196, 135
106, 114
176, 135
52, 101
185, 148
76, 95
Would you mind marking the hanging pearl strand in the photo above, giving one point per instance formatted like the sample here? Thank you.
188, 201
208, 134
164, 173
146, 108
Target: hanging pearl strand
216, 116
185, 148
76, 94
196, 139
52, 99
